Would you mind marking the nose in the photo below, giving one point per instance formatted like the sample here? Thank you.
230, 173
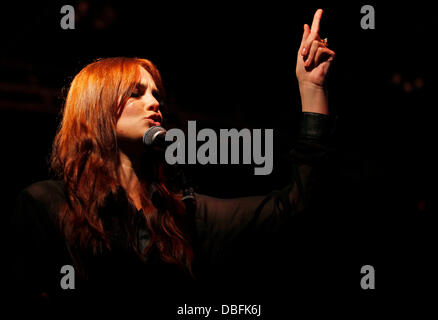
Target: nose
153, 105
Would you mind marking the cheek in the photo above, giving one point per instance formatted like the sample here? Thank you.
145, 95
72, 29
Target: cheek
131, 115
131, 109
126, 124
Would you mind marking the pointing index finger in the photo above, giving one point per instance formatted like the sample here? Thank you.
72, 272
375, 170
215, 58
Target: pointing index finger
316, 21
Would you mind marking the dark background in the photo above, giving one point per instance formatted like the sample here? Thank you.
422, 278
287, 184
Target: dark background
232, 65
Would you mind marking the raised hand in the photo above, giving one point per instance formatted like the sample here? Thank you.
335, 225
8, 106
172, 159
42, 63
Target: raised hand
314, 57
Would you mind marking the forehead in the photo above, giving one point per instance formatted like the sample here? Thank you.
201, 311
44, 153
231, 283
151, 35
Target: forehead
146, 79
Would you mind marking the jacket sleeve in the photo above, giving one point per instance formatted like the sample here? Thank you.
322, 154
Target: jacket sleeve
223, 222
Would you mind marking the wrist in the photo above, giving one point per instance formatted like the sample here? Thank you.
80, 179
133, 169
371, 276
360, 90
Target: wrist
313, 98
310, 85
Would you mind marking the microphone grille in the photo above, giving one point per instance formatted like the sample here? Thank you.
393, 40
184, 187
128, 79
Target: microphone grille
151, 134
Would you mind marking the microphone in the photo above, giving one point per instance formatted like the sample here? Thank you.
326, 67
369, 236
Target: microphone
155, 137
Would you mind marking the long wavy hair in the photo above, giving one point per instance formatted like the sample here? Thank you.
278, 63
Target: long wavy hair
85, 157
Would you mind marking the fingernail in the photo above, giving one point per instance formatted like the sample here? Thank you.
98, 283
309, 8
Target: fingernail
304, 50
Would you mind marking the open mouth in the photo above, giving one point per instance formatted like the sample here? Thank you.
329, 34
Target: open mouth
153, 123
155, 120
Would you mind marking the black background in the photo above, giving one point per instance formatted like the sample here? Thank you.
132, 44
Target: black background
232, 65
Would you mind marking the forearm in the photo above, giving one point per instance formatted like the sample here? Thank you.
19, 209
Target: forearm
314, 99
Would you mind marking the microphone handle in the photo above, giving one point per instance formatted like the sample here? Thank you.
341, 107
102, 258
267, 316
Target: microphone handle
155, 137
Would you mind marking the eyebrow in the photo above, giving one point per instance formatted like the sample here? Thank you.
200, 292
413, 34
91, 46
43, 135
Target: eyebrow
144, 86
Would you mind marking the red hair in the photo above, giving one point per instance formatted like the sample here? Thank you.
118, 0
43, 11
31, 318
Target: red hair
85, 157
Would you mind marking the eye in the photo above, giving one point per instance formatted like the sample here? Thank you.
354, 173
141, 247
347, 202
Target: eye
135, 94
138, 91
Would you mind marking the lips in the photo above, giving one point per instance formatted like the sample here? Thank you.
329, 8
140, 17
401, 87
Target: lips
155, 119
153, 123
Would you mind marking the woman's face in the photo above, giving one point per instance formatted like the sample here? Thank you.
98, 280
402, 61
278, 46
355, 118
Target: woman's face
141, 111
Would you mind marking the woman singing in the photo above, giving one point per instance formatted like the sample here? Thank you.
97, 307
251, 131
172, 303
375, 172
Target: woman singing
111, 213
